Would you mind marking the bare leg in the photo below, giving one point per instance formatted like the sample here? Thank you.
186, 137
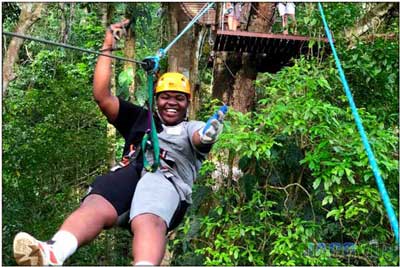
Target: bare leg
230, 23
284, 24
293, 18
235, 24
149, 239
82, 226
90, 218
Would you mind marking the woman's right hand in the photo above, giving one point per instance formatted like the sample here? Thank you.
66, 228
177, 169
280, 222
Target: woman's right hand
114, 33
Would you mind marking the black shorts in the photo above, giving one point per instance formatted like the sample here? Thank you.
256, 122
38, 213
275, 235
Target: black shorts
118, 188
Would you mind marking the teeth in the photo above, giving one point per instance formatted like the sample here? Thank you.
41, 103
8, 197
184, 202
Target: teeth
171, 110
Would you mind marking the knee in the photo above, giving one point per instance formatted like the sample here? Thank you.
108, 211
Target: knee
148, 221
98, 207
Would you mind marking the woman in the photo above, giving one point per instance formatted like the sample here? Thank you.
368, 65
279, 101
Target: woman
157, 201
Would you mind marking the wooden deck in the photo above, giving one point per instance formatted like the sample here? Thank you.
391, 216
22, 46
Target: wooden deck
272, 51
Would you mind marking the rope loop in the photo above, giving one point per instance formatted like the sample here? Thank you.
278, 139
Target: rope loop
150, 139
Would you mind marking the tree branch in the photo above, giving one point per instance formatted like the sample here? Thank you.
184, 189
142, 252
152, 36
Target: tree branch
287, 194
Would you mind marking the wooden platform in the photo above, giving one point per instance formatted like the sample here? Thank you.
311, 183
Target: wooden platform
272, 51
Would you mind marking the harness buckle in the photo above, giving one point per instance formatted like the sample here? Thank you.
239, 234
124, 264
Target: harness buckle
127, 159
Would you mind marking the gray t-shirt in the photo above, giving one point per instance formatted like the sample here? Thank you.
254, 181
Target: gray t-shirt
177, 141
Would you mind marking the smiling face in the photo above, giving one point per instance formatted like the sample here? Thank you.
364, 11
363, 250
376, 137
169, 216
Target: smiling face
172, 107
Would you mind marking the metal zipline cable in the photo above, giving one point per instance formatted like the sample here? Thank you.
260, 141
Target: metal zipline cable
372, 161
162, 52
71, 47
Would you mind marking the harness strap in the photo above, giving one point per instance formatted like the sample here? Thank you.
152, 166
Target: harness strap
133, 154
127, 159
151, 132
162, 154
168, 175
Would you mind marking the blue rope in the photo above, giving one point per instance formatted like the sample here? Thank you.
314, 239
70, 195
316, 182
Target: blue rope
381, 186
204, 10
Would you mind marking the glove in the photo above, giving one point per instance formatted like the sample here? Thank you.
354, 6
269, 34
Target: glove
117, 30
209, 133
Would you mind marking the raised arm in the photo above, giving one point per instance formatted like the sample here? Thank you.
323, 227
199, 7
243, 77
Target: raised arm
108, 103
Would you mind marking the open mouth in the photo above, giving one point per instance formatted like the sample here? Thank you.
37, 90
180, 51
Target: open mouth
171, 111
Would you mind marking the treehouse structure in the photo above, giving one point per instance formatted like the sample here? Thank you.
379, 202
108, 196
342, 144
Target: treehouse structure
271, 51
274, 51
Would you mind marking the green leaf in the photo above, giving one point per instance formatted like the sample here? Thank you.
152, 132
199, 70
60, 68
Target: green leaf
316, 183
351, 179
334, 213
125, 78
253, 147
220, 210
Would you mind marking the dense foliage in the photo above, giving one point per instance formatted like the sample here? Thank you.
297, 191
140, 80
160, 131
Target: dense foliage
304, 181
54, 135
307, 195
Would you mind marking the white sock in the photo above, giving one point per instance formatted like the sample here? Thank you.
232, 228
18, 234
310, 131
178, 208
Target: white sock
65, 244
144, 263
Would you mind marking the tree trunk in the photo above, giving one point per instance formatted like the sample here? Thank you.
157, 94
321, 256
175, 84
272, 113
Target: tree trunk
224, 70
184, 55
243, 92
234, 74
30, 13
261, 18
179, 55
66, 22
63, 22
129, 48
199, 34
71, 19
371, 20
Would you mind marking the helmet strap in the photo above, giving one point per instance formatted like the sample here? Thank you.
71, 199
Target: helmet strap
187, 112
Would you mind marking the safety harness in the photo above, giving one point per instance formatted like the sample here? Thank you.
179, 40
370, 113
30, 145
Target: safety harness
150, 138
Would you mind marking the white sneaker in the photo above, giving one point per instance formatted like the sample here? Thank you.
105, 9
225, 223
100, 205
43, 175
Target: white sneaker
29, 251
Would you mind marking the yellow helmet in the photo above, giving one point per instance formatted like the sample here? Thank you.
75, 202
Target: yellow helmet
173, 81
